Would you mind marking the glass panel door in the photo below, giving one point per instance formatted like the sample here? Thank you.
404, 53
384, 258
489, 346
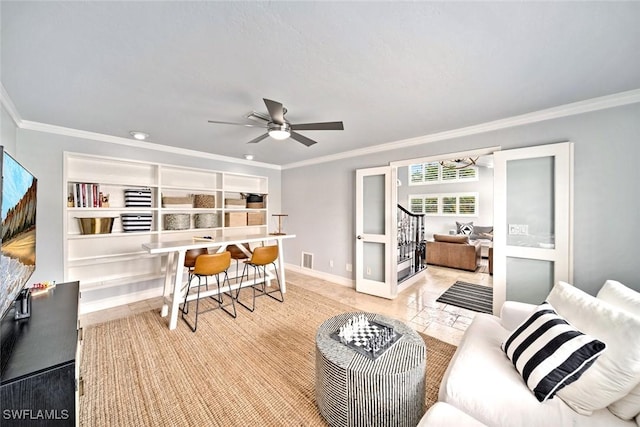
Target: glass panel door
374, 270
533, 206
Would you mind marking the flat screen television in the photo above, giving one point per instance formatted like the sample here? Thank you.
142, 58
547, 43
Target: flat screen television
18, 230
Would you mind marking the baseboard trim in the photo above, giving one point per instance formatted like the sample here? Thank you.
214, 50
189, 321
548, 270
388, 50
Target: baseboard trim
321, 275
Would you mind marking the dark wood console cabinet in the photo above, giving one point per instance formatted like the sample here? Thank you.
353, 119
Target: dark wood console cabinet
40, 358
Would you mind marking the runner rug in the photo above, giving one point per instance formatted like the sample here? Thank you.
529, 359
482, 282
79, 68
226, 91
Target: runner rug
470, 296
256, 370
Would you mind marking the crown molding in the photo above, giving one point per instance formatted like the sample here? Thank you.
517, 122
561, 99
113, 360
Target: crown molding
575, 108
94, 136
8, 105
581, 107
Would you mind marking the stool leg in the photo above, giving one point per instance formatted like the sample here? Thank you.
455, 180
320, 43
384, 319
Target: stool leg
281, 299
195, 325
240, 288
222, 306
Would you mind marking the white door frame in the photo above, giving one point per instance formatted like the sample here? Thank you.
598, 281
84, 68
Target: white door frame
562, 253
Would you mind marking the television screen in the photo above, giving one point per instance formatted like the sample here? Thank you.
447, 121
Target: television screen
18, 232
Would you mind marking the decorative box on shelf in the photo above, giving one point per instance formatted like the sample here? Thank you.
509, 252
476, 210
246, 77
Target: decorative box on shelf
204, 201
137, 197
235, 219
255, 218
235, 203
177, 221
177, 202
205, 220
136, 222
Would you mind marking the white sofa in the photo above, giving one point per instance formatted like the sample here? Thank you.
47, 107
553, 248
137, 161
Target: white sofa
482, 383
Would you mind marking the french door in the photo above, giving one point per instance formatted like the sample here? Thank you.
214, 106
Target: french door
533, 217
375, 232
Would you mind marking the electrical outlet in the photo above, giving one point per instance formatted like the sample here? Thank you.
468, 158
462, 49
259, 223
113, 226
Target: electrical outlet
519, 229
368, 271
349, 268
331, 263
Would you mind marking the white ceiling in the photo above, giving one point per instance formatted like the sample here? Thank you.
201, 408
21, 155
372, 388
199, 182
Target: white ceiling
389, 70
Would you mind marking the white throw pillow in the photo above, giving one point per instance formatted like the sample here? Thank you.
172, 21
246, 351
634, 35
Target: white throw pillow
549, 353
629, 300
616, 372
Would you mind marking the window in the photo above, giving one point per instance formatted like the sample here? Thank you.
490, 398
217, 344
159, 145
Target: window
435, 173
458, 204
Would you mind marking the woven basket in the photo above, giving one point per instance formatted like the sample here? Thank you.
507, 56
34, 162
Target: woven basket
170, 201
204, 201
205, 220
177, 221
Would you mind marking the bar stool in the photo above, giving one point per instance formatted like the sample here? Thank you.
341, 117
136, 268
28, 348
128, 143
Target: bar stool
190, 259
238, 254
260, 258
205, 266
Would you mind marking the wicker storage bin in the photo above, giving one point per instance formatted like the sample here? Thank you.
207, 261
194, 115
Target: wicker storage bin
255, 205
235, 203
137, 197
204, 201
177, 221
255, 218
136, 222
235, 219
177, 202
205, 220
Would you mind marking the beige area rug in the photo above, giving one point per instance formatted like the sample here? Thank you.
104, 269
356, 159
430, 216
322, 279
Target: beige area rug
256, 370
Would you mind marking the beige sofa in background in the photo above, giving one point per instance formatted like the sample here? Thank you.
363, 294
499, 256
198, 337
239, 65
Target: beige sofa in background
454, 251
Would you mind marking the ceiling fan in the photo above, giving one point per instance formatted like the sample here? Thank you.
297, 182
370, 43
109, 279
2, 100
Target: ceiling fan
279, 128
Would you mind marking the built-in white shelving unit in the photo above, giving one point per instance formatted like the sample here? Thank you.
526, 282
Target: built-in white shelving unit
116, 259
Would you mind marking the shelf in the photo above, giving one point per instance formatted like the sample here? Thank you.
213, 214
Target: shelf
117, 258
87, 285
103, 259
78, 236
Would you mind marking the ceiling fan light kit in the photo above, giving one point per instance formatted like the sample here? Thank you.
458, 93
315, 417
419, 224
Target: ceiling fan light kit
279, 132
278, 127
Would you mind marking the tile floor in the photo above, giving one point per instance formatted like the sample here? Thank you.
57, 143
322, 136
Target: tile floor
416, 306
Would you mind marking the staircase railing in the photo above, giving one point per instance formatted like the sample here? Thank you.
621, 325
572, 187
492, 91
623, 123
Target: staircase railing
411, 246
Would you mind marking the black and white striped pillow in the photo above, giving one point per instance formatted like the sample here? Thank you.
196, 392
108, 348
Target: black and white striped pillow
549, 353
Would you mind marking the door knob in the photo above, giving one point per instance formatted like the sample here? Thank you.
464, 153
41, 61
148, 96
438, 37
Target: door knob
359, 237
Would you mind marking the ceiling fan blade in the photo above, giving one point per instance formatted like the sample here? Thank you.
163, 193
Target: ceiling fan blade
319, 126
259, 117
303, 139
258, 139
276, 111
237, 124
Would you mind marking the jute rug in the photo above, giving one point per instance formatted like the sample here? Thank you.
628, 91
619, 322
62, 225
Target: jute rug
256, 370
470, 296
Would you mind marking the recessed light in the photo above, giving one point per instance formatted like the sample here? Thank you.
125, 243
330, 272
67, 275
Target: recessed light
140, 136
248, 156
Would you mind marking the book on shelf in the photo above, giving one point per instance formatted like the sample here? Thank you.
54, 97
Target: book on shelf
86, 195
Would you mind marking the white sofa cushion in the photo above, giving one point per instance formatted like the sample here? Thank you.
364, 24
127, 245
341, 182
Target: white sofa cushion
444, 415
550, 353
629, 300
482, 382
615, 373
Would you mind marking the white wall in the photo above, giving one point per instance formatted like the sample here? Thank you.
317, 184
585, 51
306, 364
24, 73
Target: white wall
7, 131
320, 198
